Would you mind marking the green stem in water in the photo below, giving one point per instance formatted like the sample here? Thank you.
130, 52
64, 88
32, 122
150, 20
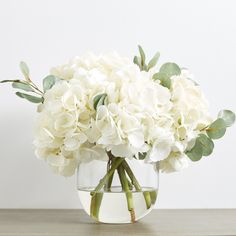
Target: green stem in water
136, 184
97, 196
126, 189
95, 205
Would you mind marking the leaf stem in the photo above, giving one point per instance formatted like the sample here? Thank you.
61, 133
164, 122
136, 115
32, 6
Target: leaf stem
32, 84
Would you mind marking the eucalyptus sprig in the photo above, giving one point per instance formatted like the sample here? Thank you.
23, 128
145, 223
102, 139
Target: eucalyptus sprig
140, 61
204, 144
29, 86
166, 71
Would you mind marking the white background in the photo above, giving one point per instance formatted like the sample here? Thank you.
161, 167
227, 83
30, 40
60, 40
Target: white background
199, 35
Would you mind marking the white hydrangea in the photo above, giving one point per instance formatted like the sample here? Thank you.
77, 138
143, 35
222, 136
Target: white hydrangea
69, 130
190, 112
140, 115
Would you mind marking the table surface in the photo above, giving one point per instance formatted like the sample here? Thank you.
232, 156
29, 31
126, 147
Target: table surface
158, 222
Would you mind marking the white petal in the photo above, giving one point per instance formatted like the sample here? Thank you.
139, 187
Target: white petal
136, 139
159, 152
179, 163
56, 160
121, 151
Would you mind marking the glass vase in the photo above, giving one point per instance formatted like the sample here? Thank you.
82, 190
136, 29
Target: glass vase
117, 191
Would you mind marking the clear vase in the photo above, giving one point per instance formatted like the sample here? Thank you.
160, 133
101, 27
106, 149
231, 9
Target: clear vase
117, 191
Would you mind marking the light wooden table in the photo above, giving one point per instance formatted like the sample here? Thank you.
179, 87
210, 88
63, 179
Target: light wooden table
76, 222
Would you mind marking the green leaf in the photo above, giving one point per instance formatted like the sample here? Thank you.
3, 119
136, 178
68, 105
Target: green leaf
196, 153
99, 100
22, 86
49, 81
9, 81
217, 129
30, 97
170, 69
164, 79
137, 61
207, 144
228, 116
153, 61
142, 55
24, 69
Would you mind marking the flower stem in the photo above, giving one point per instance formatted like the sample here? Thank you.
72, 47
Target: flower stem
126, 189
97, 196
95, 205
136, 184
102, 182
107, 186
123, 169
109, 182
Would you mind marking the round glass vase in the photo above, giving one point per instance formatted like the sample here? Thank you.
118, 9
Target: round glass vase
117, 191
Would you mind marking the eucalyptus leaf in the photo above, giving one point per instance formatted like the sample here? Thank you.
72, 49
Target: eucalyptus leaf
99, 100
142, 55
228, 116
137, 61
207, 144
164, 79
22, 86
49, 81
24, 69
217, 129
153, 61
196, 153
30, 97
170, 69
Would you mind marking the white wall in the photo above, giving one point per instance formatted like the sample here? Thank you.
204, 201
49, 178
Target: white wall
200, 35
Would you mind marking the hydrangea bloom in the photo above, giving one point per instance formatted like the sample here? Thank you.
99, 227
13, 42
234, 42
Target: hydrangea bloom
139, 115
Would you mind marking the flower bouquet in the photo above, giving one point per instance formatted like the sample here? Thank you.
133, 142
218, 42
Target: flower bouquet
118, 122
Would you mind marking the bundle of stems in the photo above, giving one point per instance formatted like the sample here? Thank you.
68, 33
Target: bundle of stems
128, 181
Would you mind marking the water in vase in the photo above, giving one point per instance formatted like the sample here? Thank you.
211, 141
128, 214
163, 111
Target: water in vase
113, 207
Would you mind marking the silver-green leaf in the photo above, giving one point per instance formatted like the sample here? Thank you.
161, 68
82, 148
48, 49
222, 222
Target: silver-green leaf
22, 86
142, 55
170, 69
207, 144
228, 116
49, 81
30, 98
164, 79
196, 153
24, 69
99, 100
217, 129
153, 61
137, 61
